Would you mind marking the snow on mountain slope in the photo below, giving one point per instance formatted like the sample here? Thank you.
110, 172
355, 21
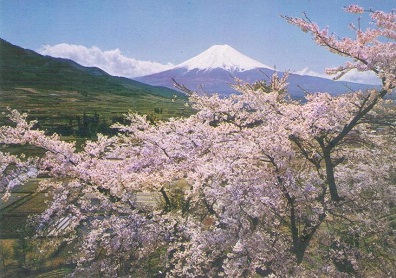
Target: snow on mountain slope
221, 56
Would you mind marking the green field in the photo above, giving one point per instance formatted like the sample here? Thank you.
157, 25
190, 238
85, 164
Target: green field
68, 112
70, 99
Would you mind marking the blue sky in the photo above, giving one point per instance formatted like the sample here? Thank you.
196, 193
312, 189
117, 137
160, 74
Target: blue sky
176, 30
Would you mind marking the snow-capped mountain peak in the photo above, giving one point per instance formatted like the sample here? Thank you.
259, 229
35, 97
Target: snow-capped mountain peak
224, 57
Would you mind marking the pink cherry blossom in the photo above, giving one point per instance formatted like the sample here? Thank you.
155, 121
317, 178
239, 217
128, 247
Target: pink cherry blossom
256, 184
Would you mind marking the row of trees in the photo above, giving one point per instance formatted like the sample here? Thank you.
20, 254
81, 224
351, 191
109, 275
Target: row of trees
89, 125
83, 126
272, 186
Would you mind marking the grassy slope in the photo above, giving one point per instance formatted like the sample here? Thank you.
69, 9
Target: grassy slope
52, 88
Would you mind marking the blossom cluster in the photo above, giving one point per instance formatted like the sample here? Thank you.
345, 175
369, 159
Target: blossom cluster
372, 49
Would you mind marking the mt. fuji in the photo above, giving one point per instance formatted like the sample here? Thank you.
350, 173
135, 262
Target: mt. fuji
214, 70
223, 57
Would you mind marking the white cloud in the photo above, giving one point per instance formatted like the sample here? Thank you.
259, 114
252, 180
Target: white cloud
307, 71
366, 77
111, 61
352, 76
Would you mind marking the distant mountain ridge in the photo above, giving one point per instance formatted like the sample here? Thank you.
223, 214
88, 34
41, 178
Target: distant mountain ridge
21, 67
214, 70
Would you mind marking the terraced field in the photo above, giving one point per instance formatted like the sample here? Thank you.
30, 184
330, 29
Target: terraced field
19, 256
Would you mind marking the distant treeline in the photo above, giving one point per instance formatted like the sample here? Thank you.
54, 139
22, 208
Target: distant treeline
87, 125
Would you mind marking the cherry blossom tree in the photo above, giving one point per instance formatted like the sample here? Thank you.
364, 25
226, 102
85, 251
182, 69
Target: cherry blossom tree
267, 186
